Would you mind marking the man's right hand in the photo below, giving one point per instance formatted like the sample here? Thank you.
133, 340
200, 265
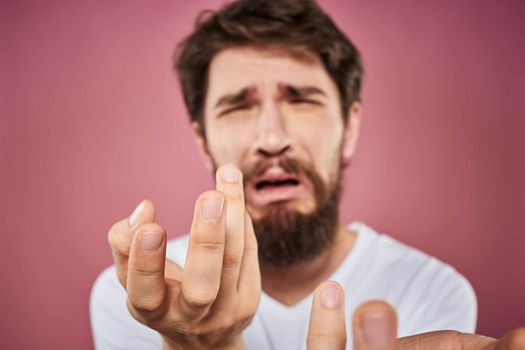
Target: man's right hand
213, 299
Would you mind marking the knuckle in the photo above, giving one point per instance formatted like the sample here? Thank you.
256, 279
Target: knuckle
199, 300
248, 308
235, 198
185, 331
134, 313
145, 305
246, 321
246, 316
235, 225
117, 244
252, 308
231, 261
143, 309
251, 251
250, 245
146, 272
250, 242
321, 332
209, 246
224, 323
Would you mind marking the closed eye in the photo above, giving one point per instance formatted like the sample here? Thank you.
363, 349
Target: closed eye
304, 101
234, 109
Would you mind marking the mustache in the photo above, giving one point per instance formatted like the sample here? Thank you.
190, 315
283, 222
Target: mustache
290, 165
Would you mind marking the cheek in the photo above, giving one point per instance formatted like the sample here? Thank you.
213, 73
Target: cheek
321, 139
229, 144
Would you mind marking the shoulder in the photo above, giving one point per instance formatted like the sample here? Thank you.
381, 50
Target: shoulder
386, 247
385, 255
423, 289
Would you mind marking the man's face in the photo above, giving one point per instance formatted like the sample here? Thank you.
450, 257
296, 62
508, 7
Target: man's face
264, 107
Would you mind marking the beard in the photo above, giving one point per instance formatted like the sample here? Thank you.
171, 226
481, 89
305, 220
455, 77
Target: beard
287, 237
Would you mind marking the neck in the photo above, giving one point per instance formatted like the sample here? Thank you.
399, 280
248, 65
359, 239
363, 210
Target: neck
289, 285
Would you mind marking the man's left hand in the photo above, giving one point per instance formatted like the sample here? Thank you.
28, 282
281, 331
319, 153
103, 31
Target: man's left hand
374, 327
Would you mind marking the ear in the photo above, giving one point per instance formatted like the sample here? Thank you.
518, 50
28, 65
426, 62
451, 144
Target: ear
202, 146
351, 133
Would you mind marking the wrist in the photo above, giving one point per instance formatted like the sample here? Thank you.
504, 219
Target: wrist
235, 344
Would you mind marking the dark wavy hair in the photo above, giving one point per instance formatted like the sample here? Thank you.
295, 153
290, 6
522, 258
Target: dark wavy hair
288, 24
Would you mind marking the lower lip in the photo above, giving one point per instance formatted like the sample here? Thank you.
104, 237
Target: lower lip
269, 195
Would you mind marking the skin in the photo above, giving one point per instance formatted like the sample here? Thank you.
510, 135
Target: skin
208, 303
374, 327
270, 122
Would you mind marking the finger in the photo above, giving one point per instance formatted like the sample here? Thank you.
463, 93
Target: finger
121, 233
143, 213
229, 182
146, 286
249, 285
514, 340
374, 326
327, 320
202, 269
446, 340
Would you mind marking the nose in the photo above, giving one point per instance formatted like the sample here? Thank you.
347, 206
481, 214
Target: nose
272, 137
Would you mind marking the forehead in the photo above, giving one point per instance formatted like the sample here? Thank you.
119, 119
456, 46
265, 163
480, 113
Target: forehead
265, 69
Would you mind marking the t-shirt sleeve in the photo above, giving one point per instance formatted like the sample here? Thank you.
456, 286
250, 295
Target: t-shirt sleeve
440, 299
112, 325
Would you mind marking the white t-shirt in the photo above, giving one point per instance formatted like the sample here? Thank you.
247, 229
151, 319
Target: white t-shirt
426, 293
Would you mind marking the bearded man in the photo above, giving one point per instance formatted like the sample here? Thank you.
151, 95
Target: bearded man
273, 92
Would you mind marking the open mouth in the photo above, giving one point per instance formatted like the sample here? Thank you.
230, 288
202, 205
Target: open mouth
275, 186
267, 184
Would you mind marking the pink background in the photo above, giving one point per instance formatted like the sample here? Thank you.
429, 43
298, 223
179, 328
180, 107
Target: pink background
92, 122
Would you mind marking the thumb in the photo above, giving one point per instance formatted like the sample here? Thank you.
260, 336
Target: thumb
327, 320
374, 326
513, 340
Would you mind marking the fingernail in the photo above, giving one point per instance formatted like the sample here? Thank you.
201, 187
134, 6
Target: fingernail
136, 214
150, 241
230, 173
212, 207
376, 329
330, 296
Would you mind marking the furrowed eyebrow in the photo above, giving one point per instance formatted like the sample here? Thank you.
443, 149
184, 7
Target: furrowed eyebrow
234, 98
301, 91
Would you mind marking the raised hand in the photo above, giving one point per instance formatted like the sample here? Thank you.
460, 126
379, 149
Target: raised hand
374, 323
374, 327
208, 303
